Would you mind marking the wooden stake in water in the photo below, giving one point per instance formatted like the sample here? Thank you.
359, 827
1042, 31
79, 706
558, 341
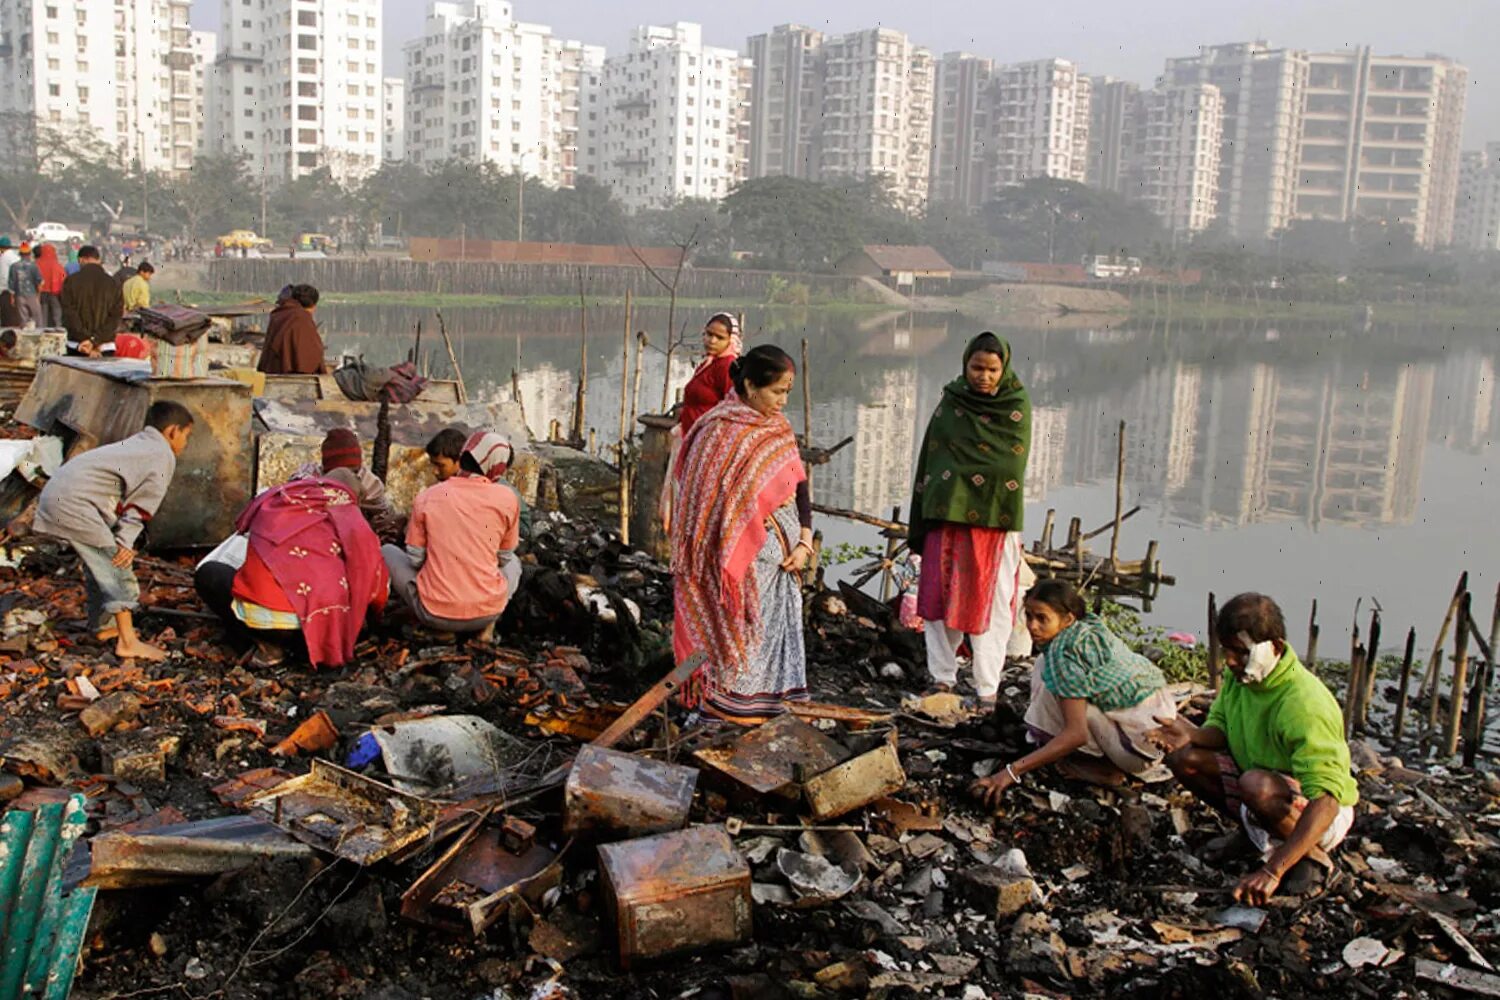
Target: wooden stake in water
624, 381
1460, 677
1215, 667
635, 389
1114, 536
581, 399
1312, 638
458, 373
1372, 667
1354, 687
1403, 690
1431, 683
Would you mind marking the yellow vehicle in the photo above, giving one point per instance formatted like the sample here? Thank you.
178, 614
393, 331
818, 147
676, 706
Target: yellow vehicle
242, 239
317, 241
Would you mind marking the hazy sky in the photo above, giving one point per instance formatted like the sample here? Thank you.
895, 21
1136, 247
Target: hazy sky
1114, 37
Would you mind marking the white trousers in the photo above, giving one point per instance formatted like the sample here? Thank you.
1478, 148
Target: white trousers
988, 649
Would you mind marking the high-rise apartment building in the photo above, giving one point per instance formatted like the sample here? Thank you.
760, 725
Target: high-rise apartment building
1039, 122
675, 115
297, 86
1476, 223
786, 101
1381, 139
877, 113
393, 119
1115, 132
1182, 134
481, 85
205, 46
120, 71
1263, 91
960, 128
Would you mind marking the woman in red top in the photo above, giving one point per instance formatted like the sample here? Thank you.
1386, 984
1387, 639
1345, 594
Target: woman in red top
705, 390
52, 282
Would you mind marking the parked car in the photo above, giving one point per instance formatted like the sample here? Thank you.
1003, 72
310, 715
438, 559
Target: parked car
53, 232
317, 241
242, 239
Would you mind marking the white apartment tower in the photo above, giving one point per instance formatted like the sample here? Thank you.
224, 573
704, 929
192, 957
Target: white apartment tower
1039, 123
1476, 224
119, 70
1381, 139
481, 85
393, 117
1263, 91
960, 127
297, 86
1180, 148
877, 113
786, 101
675, 115
1116, 126
205, 46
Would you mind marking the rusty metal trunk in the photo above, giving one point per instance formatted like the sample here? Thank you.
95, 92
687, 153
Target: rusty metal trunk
611, 794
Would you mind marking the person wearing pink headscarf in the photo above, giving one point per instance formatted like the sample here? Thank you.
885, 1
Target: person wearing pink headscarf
458, 569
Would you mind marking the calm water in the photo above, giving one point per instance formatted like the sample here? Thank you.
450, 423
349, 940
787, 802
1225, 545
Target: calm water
1308, 463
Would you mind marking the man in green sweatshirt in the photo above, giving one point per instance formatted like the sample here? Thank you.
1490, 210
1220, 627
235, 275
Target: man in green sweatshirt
1270, 755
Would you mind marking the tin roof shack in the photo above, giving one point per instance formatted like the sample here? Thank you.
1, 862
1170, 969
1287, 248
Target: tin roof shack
96, 402
895, 265
289, 431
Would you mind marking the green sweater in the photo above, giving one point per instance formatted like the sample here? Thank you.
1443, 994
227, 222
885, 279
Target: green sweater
1289, 723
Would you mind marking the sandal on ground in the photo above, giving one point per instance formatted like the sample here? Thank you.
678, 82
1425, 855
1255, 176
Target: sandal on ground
938, 688
265, 659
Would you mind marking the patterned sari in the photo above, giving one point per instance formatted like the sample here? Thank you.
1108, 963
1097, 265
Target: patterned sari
324, 558
736, 520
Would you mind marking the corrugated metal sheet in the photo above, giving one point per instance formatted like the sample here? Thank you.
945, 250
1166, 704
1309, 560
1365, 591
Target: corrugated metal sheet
41, 928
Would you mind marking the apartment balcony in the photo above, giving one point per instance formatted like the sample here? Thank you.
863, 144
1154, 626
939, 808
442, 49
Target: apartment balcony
426, 81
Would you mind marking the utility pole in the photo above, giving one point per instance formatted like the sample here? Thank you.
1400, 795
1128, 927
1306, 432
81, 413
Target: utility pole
521, 202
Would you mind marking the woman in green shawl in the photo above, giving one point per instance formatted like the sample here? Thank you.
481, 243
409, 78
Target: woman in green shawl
966, 515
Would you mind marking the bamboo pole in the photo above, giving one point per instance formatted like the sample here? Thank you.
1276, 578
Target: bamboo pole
1215, 667
807, 414
1312, 638
624, 381
583, 362
1354, 687
854, 515
458, 373
1430, 678
1114, 538
1372, 668
1045, 545
1460, 678
635, 392
888, 577
1401, 694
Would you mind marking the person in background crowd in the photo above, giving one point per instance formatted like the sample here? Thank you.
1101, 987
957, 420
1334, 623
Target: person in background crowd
9, 316
53, 276
445, 452
137, 288
92, 306
293, 345
72, 266
459, 568
1271, 755
302, 562
343, 462
741, 536
710, 384
966, 516
1094, 702
126, 270
26, 285
99, 502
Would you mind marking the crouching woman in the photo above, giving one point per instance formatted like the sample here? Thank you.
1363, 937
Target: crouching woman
1093, 700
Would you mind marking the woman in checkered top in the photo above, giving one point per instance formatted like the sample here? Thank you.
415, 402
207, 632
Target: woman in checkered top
1092, 699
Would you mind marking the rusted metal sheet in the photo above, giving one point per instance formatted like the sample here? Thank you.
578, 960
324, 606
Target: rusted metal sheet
347, 814
187, 850
620, 794
324, 388
479, 879
856, 782
675, 892
106, 401
289, 434
771, 757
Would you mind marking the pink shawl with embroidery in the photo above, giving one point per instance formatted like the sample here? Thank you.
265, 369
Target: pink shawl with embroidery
312, 537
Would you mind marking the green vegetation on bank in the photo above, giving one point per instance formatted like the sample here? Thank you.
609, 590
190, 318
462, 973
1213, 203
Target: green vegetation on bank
429, 300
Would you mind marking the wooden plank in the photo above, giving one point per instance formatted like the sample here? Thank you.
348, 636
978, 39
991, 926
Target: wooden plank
1469, 981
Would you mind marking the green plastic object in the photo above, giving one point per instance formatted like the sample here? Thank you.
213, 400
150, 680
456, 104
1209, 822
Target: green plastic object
41, 928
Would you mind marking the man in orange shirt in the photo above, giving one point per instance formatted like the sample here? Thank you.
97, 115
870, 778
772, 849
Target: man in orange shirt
459, 569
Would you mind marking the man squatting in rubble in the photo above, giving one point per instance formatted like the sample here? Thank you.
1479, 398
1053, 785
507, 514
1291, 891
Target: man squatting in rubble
1271, 754
99, 502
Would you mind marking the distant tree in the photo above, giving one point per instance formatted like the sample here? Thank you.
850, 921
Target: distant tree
699, 218
1059, 221
584, 213
51, 169
312, 203
215, 196
792, 223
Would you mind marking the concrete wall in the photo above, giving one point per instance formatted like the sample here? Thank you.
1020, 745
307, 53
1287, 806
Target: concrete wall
350, 276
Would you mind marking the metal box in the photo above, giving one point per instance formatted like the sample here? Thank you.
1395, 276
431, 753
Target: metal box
613, 794
675, 892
